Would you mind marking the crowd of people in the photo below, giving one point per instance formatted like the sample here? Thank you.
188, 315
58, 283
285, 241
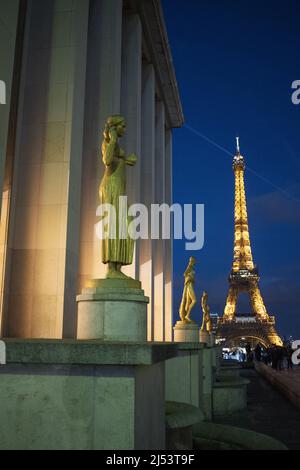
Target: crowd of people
279, 357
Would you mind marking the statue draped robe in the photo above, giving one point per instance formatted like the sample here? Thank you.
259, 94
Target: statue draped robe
113, 185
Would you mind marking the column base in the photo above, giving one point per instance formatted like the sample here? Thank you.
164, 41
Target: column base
186, 332
112, 310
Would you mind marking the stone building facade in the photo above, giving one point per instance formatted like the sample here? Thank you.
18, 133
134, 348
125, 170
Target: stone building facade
67, 65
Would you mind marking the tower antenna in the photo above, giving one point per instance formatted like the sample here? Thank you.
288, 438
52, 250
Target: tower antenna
238, 145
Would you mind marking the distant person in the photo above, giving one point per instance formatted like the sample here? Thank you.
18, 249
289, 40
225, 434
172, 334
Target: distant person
267, 357
274, 357
289, 351
258, 352
280, 353
248, 351
277, 354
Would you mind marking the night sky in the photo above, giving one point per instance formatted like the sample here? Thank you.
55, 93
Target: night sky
235, 62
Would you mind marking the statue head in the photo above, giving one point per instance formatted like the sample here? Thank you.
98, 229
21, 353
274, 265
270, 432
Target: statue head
192, 261
116, 122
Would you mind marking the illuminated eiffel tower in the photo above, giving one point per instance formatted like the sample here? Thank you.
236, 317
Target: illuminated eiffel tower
244, 277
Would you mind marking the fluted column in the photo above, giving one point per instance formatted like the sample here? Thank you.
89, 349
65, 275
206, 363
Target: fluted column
169, 243
131, 103
103, 90
8, 34
148, 185
45, 208
159, 245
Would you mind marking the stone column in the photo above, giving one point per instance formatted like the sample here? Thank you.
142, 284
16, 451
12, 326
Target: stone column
45, 208
8, 33
112, 310
147, 186
169, 243
159, 245
131, 102
103, 88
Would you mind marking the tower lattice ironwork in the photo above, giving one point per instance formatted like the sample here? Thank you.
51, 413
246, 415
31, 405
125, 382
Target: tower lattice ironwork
244, 276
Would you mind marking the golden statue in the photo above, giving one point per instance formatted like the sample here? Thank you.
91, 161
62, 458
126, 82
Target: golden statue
189, 297
116, 252
206, 323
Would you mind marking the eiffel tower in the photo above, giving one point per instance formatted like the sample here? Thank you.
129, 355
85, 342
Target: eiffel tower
257, 326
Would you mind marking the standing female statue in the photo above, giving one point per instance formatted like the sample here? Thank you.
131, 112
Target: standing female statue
206, 323
189, 297
116, 252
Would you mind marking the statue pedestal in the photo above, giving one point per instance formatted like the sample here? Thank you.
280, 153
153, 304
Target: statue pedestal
206, 338
112, 310
186, 332
92, 395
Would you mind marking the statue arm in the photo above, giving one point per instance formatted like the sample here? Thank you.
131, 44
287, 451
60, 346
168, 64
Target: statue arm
204, 302
189, 274
108, 150
131, 159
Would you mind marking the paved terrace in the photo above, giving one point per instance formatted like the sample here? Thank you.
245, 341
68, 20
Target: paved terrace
269, 411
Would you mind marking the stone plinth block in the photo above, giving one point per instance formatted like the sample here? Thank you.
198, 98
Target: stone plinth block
208, 380
213, 339
83, 395
180, 418
184, 376
229, 395
112, 310
205, 338
186, 332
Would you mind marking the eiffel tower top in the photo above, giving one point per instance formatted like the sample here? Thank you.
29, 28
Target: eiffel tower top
242, 260
238, 161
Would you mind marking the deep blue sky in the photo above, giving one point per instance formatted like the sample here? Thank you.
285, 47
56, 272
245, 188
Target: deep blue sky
235, 62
